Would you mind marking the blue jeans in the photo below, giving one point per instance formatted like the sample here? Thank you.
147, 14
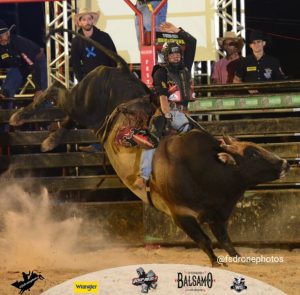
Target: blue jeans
147, 15
13, 81
179, 123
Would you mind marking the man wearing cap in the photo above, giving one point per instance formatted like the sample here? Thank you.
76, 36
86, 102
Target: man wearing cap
20, 56
258, 66
224, 69
84, 56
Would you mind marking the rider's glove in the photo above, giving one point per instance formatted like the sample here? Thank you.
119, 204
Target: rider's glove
169, 116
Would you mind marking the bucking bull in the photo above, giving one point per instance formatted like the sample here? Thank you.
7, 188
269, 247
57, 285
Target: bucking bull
196, 178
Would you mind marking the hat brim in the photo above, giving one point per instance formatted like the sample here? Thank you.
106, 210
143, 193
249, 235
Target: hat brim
239, 40
95, 16
4, 30
256, 39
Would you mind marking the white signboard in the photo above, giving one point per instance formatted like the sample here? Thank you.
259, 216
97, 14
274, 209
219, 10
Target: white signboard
162, 279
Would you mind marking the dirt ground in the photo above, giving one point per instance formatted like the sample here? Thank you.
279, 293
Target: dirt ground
32, 240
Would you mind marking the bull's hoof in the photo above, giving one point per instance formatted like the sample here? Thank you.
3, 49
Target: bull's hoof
53, 140
16, 118
49, 144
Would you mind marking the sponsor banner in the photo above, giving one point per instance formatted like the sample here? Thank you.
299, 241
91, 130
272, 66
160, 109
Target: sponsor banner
161, 279
147, 64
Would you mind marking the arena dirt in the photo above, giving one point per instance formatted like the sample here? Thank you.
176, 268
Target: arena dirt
31, 239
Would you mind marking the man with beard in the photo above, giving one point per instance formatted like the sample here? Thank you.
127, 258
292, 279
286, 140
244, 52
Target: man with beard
224, 69
84, 56
173, 84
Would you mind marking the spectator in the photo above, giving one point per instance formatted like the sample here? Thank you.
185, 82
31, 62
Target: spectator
224, 69
258, 66
172, 82
146, 7
84, 56
20, 56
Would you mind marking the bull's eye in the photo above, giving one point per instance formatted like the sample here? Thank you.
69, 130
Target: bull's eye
252, 153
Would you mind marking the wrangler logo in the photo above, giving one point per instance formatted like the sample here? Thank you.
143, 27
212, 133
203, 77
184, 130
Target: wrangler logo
86, 287
251, 69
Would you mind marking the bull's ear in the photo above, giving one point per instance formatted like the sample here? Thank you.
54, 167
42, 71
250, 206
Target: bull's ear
226, 159
228, 139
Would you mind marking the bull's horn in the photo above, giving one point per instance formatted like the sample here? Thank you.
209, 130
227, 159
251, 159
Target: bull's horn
229, 148
228, 139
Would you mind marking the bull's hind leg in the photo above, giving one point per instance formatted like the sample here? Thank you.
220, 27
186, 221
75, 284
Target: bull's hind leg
192, 228
218, 228
54, 138
19, 117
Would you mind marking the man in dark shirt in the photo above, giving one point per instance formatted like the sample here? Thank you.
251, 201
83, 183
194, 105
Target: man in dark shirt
20, 56
84, 56
258, 67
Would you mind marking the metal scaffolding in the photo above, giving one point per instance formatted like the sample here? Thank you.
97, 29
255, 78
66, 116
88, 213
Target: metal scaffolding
229, 16
59, 15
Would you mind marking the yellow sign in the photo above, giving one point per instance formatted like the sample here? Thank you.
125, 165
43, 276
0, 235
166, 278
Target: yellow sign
86, 287
167, 40
164, 85
251, 69
4, 55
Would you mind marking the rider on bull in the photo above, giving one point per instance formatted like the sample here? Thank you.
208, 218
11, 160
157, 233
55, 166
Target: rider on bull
173, 84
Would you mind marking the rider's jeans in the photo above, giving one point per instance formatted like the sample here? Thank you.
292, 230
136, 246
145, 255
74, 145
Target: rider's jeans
179, 120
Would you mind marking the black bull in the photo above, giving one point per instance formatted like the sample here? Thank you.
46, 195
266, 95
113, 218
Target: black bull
195, 179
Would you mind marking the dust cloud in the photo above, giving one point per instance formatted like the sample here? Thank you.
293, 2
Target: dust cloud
32, 234
35, 236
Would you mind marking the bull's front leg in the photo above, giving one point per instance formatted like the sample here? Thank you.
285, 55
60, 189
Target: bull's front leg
191, 227
23, 114
54, 138
219, 229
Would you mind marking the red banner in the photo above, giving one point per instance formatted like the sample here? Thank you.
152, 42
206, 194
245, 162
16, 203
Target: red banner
147, 63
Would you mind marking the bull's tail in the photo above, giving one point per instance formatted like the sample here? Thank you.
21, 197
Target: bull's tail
121, 63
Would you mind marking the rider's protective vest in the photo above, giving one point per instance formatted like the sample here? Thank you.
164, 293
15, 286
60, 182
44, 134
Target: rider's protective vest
180, 86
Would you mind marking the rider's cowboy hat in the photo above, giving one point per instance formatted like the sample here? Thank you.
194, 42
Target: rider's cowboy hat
4, 27
232, 36
85, 11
